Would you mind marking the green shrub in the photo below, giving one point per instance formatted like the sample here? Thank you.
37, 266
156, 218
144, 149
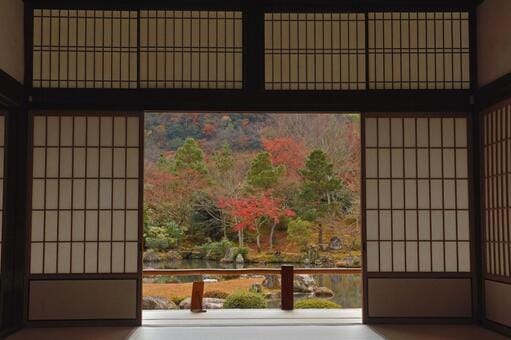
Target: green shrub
245, 300
177, 299
239, 250
215, 250
316, 303
163, 236
217, 294
299, 232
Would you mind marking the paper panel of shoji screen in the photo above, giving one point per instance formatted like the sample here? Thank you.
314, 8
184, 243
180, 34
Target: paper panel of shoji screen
191, 49
497, 191
85, 194
85, 49
419, 50
417, 189
315, 51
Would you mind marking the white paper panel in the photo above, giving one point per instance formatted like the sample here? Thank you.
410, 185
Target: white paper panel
417, 194
69, 233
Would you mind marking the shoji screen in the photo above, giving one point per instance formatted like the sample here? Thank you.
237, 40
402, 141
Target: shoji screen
417, 216
315, 51
85, 215
424, 50
85, 49
191, 49
375, 50
496, 202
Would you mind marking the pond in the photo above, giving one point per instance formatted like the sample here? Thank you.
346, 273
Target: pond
347, 288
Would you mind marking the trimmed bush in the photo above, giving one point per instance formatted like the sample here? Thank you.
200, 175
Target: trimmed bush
316, 303
217, 294
177, 299
245, 300
239, 250
215, 250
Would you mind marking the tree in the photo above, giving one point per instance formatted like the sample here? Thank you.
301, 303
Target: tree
224, 159
253, 212
319, 187
189, 156
287, 152
299, 232
207, 220
262, 174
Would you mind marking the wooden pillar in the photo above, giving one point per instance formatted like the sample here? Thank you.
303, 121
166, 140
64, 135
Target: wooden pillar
287, 287
197, 295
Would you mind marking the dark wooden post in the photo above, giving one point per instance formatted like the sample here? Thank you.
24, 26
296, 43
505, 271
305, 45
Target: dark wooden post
197, 295
286, 284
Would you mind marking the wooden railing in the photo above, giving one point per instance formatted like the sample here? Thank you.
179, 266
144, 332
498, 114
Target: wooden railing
286, 272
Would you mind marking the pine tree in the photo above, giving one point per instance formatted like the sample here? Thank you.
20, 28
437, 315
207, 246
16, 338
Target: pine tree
224, 159
189, 156
319, 187
262, 174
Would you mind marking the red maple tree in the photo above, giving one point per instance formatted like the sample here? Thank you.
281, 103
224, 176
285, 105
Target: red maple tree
286, 151
252, 212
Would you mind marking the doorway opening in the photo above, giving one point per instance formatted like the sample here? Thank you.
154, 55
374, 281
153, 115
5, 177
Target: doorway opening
230, 190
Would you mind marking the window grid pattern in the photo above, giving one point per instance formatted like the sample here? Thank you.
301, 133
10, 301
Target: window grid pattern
191, 49
85, 194
2, 164
315, 51
416, 196
422, 50
85, 49
497, 191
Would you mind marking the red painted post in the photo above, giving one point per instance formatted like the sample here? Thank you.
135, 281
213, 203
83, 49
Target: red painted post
286, 286
197, 294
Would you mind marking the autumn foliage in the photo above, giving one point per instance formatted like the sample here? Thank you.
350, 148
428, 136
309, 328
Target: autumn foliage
246, 177
250, 210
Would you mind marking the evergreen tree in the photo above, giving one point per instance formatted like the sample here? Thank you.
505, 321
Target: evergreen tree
262, 174
190, 156
224, 159
319, 187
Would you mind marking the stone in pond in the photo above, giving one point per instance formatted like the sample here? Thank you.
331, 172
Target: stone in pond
239, 259
303, 284
271, 282
157, 302
335, 243
207, 303
323, 292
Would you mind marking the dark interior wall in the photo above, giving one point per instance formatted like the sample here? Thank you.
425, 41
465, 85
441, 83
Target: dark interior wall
12, 105
12, 39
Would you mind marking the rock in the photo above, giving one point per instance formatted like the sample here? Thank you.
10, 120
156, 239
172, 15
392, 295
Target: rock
256, 288
157, 302
210, 280
306, 261
323, 292
272, 295
151, 256
335, 243
303, 284
229, 255
207, 303
271, 282
173, 255
239, 259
